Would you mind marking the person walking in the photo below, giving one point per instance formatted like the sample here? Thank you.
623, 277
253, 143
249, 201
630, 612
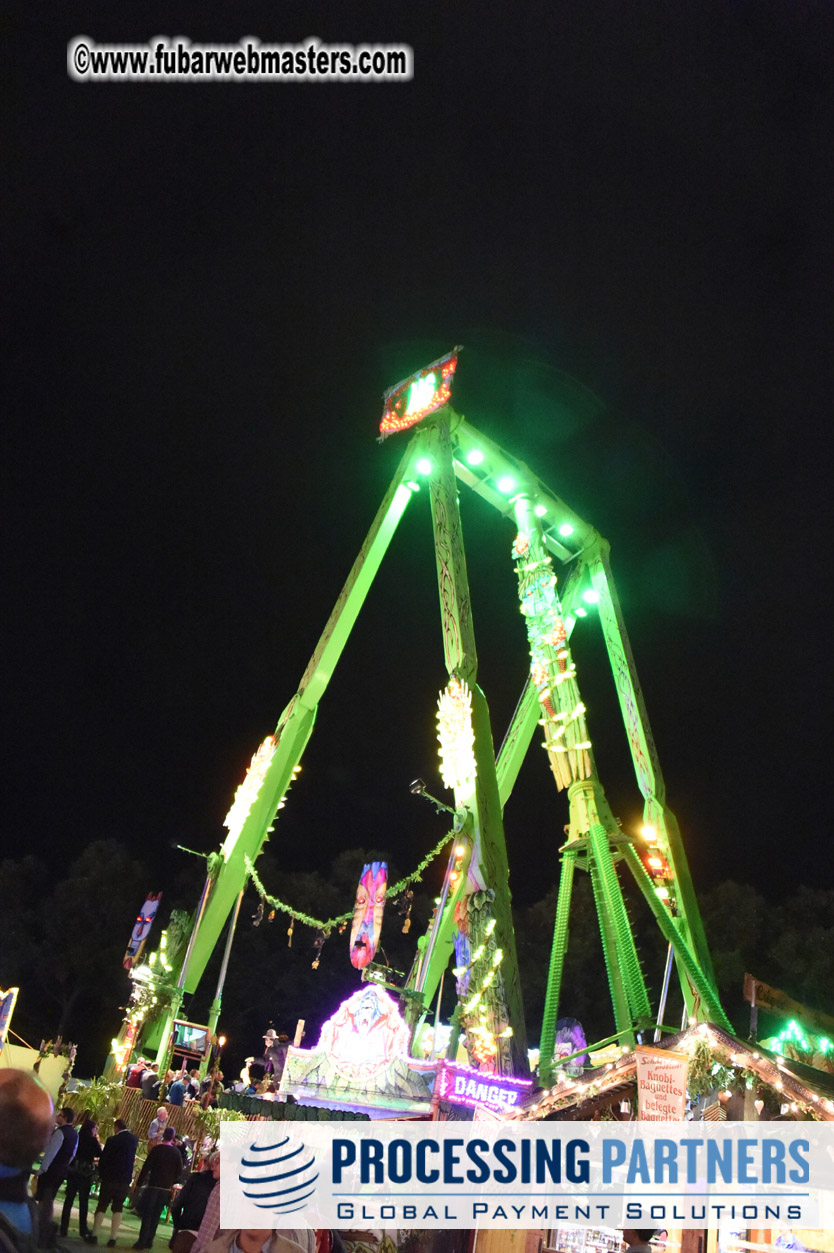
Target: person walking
115, 1170
56, 1162
161, 1170
80, 1176
25, 1126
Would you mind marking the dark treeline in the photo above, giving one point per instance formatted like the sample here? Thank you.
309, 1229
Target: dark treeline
64, 939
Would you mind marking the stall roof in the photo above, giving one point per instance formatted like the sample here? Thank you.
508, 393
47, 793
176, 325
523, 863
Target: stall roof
579, 1099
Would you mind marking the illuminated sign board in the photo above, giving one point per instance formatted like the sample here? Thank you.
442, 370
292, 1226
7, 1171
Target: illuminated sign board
460, 1085
416, 397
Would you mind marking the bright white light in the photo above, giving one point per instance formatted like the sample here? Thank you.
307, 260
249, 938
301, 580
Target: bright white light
566, 529
423, 466
474, 457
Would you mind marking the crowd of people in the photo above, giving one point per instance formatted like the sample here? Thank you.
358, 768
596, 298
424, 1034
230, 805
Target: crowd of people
74, 1155
261, 1076
30, 1133
40, 1152
175, 1087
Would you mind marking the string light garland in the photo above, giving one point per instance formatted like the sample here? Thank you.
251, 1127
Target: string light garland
327, 925
801, 1046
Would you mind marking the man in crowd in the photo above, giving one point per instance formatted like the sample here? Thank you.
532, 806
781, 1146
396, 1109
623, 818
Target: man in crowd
176, 1092
56, 1162
115, 1169
638, 1241
157, 1127
25, 1125
134, 1074
150, 1082
162, 1169
189, 1207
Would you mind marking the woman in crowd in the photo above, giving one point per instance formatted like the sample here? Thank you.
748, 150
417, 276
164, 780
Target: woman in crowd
81, 1174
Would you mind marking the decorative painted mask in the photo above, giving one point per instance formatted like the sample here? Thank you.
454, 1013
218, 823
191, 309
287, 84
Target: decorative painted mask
141, 930
367, 913
570, 1038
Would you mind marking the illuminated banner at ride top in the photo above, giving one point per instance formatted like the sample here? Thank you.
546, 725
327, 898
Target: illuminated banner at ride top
515, 1174
408, 402
461, 1085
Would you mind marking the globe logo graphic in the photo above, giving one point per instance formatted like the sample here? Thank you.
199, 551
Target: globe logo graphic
278, 1178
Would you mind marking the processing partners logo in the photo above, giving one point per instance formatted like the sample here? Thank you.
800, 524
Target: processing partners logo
514, 1175
279, 1177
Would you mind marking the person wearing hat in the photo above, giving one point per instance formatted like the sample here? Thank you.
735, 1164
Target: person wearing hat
275, 1054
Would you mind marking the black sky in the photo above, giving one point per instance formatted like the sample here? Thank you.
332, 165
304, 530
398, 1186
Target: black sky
208, 289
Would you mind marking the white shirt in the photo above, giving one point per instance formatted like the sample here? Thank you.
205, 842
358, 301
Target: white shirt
55, 1142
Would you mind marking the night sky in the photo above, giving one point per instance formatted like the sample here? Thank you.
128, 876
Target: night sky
622, 211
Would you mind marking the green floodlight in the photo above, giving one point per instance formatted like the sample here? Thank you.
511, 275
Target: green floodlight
590, 597
505, 484
540, 511
580, 612
423, 466
566, 529
474, 457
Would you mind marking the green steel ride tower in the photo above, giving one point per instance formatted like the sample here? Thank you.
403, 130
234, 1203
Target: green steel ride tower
473, 919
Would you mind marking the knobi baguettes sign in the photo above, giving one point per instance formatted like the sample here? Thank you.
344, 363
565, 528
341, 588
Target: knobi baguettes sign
661, 1085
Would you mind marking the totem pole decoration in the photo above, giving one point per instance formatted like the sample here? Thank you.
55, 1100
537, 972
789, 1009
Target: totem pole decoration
367, 913
141, 931
552, 670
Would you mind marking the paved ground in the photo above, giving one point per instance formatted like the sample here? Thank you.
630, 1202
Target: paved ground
128, 1232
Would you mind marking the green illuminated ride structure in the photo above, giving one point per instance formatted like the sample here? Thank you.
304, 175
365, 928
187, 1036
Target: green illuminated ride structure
473, 919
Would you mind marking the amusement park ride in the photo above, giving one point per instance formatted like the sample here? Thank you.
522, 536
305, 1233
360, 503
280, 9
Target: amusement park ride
473, 919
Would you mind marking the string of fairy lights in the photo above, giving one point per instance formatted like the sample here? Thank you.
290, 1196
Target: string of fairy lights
325, 926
